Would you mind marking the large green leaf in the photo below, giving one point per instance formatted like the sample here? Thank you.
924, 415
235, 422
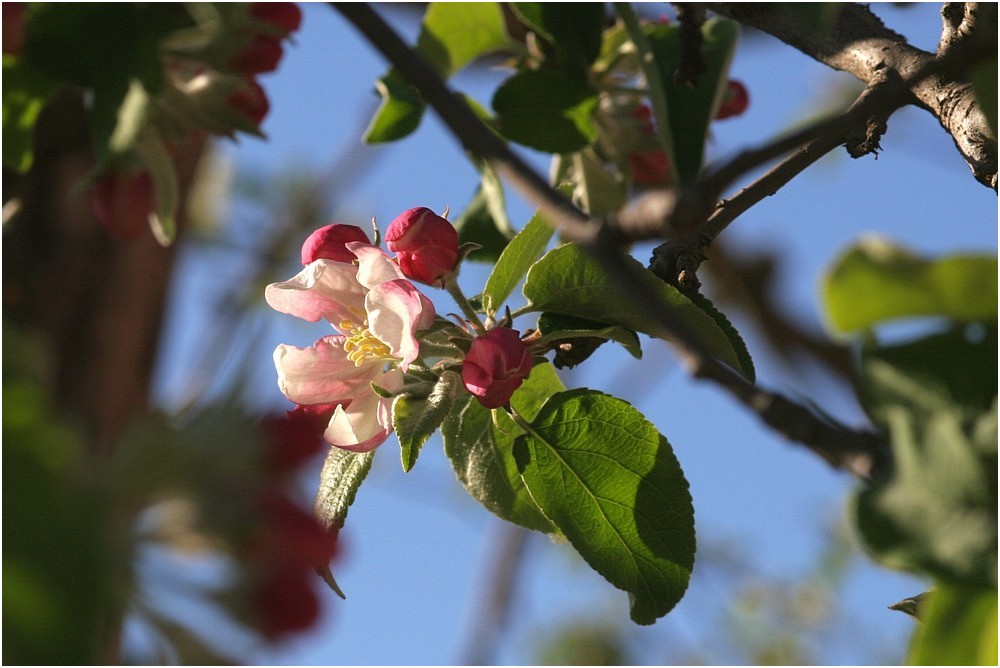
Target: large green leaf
876, 280
546, 110
958, 628
936, 512
691, 110
452, 35
515, 260
566, 281
342, 475
481, 450
610, 482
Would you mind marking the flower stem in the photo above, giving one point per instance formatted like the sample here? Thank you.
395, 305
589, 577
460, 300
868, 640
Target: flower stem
451, 285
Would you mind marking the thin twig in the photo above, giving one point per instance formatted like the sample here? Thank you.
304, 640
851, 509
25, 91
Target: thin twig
860, 452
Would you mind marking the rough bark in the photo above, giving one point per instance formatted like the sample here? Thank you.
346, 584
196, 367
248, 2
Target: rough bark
856, 41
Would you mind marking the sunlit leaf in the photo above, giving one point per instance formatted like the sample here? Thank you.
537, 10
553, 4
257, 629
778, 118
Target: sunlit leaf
604, 476
959, 627
342, 475
876, 281
566, 281
452, 35
481, 450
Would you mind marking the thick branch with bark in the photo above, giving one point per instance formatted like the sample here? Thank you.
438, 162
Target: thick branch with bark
859, 43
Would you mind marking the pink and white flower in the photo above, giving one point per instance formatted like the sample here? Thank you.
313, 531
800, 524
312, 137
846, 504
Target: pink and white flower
377, 313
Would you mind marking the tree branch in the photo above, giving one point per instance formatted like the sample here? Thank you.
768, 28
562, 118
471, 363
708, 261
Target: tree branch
858, 42
860, 452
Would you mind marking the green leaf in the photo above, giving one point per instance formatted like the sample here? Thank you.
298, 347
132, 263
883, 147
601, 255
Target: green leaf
876, 280
573, 28
546, 110
342, 475
566, 281
480, 450
595, 190
452, 35
959, 628
555, 327
484, 221
984, 78
604, 476
691, 110
937, 511
515, 260
706, 305
25, 93
416, 419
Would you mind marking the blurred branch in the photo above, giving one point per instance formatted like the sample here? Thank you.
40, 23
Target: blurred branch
859, 43
493, 611
860, 452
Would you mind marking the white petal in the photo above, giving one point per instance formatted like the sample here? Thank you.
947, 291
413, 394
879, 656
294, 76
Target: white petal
323, 289
374, 266
367, 421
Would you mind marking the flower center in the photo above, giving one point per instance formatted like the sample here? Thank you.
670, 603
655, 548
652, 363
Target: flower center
361, 345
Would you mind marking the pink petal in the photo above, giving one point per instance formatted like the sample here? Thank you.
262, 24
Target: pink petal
321, 374
396, 311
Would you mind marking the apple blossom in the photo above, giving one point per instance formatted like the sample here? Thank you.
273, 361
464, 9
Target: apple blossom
495, 366
425, 244
378, 313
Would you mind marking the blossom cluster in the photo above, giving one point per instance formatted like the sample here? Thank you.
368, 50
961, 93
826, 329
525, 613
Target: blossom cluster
348, 379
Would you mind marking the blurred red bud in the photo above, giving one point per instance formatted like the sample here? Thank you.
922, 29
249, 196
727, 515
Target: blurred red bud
734, 102
284, 15
122, 201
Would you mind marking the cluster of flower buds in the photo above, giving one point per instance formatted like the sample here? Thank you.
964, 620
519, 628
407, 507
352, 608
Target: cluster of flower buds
285, 545
211, 88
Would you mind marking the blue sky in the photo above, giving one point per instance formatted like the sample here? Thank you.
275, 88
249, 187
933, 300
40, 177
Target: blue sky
417, 546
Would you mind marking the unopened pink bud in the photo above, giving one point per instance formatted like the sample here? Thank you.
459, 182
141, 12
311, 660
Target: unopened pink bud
734, 101
122, 202
425, 244
284, 15
251, 101
329, 243
495, 366
261, 55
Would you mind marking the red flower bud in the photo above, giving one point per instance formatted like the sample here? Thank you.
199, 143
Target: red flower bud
328, 243
251, 101
292, 440
262, 54
122, 202
425, 244
284, 15
734, 101
649, 168
496, 366
284, 601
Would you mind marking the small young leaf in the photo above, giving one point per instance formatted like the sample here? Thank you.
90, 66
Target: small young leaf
693, 109
566, 281
485, 222
604, 476
959, 628
480, 450
876, 280
452, 35
416, 419
522, 251
25, 93
546, 110
342, 475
